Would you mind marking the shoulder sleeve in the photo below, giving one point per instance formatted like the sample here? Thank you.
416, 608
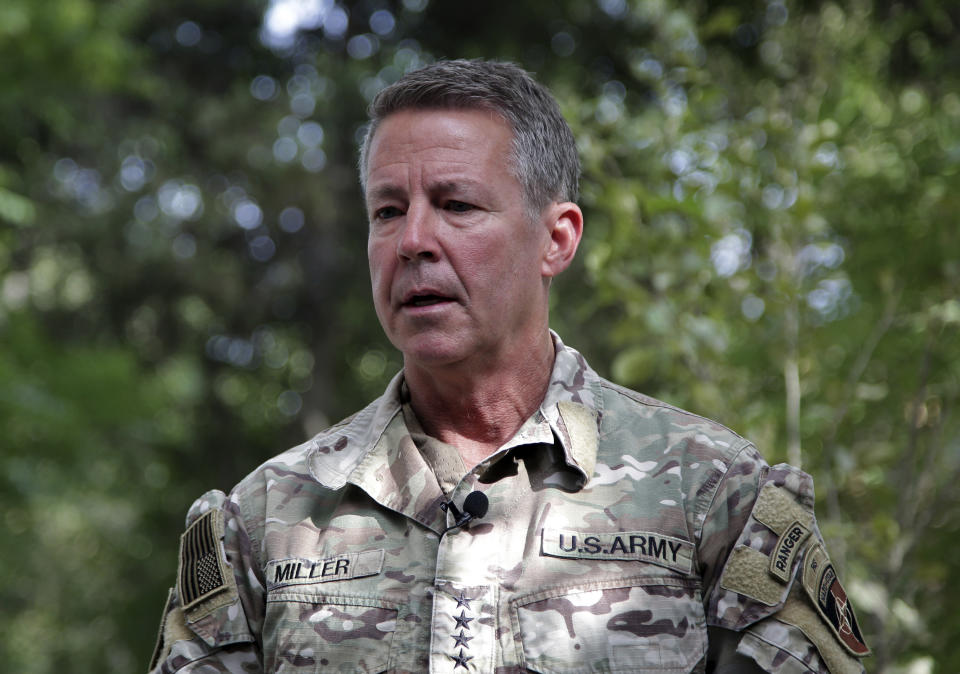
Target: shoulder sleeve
213, 615
777, 590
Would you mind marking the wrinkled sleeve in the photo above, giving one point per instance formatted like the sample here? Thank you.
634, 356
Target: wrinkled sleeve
213, 615
771, 596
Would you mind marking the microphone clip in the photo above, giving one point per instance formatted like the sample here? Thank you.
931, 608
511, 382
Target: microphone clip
474, 506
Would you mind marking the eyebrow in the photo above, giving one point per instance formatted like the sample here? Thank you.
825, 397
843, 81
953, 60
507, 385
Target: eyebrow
386, 192
442, 187
448, 186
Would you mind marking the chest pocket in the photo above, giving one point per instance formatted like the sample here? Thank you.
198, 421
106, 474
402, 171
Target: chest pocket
643, 624
311, 633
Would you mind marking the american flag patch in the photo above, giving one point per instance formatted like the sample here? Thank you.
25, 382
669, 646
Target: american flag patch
202, 569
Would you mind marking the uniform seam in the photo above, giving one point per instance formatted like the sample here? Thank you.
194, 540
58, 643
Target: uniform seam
737, 451
600, 384
212, 654
365, 415
368, 601
244, 518
647, 401
779, 647
702, 505
661, 580
365, 455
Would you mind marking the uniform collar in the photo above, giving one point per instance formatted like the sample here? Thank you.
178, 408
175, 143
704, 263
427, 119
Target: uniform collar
568, 416
573, 407
374, 451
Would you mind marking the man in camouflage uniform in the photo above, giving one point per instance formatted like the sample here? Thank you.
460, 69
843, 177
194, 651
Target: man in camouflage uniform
622, 534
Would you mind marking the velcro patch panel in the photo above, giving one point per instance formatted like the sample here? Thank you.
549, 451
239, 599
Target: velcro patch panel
798, 612
778, 509
748, 573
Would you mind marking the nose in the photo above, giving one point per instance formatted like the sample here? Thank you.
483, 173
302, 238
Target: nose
418, 238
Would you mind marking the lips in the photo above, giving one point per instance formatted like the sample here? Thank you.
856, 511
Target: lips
425, 297
425, 300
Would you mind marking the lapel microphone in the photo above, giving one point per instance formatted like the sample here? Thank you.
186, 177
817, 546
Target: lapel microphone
474, 507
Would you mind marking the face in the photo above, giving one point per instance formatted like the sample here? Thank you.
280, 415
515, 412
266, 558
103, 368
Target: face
455, 263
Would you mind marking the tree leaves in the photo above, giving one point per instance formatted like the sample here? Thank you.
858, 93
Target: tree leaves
770, 194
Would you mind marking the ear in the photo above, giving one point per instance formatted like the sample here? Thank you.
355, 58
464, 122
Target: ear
564, 221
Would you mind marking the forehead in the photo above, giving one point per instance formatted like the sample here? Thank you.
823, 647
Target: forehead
439, 136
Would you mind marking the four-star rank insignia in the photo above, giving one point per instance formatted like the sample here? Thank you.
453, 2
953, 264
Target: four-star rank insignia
461, 640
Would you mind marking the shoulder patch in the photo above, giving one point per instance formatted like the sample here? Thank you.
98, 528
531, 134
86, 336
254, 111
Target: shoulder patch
830, 599
203, 571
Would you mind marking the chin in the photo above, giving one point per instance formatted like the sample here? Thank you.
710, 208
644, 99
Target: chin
433, 350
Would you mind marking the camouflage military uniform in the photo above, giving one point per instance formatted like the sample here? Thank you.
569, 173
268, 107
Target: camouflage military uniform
619, 530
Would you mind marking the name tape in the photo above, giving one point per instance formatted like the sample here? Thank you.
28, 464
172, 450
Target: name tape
300, 571
641, 546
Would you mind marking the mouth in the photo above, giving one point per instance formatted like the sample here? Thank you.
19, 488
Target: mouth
426, 300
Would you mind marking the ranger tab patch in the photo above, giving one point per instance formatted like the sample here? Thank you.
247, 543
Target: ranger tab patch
203, 571
788, 545
641, 546
821, 583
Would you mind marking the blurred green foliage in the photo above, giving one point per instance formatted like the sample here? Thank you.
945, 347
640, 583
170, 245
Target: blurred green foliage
770, 192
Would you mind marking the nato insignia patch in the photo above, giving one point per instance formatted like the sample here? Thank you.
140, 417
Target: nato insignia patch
821, 583
203, 572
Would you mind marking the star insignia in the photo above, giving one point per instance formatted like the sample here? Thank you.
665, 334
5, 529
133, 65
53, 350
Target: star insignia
461, 639
461, 660
462, 601
462, 620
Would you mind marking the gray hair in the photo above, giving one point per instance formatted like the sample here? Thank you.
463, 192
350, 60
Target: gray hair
544, 158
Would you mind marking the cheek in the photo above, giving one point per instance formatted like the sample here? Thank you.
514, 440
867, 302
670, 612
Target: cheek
481, 263
378, 264
502, 267
380, 290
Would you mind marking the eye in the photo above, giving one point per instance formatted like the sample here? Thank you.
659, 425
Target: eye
386, 213
458, 206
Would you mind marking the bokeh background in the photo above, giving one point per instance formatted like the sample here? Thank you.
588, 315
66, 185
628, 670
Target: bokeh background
771, 194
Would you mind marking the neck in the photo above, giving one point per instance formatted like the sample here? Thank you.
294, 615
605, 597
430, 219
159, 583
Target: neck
478, 408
